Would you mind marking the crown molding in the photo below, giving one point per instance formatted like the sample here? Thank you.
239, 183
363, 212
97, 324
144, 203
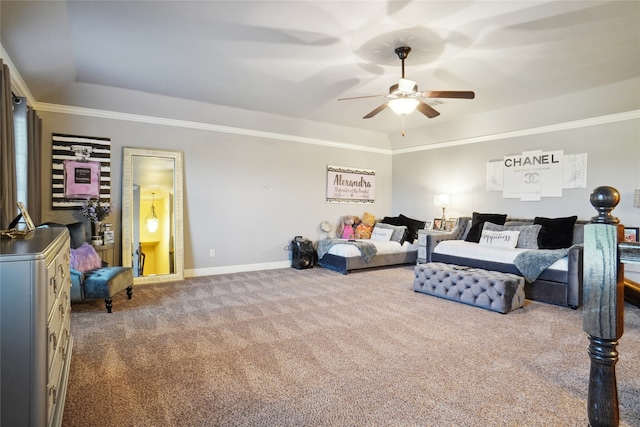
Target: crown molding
112, 115
594, 121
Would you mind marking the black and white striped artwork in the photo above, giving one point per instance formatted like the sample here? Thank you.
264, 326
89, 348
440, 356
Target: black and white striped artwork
83, 149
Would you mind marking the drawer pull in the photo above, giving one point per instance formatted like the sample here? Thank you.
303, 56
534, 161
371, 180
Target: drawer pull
53, 282
63, 273
53, 391
53, 338
61, 308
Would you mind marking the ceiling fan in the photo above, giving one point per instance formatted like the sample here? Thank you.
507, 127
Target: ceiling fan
405, 96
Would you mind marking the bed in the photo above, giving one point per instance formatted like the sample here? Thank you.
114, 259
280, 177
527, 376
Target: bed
394, 241
344, 256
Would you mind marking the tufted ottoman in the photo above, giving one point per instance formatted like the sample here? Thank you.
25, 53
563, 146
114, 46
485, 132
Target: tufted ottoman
493, 290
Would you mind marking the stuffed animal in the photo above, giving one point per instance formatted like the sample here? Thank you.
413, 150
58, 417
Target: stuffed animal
347, 227
364, 229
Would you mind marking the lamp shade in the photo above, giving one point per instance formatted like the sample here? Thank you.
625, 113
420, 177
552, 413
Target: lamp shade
403, 105
442, 200
636, 199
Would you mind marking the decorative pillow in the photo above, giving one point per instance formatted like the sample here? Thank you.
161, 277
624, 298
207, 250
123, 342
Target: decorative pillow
85, 258
477, 222
399, 231
78, 237
501, 239
381, 234
413, 225
528, 238
556, 233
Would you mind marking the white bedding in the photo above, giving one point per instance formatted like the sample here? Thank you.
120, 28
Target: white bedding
460, 248
383, 248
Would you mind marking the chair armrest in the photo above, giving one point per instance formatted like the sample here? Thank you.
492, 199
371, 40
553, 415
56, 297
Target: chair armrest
574, 275
434, 238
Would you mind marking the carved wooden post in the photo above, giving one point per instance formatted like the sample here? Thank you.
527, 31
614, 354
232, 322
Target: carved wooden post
603, 306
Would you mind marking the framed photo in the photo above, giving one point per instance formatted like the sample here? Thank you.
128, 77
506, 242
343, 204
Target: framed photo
428, 225
437, 224
27, 218
450, 224
631, 234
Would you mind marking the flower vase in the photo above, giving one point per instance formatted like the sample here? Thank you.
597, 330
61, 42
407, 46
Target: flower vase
96, 237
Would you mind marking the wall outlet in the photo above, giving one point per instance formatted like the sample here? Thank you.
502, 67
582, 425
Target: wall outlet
212, 253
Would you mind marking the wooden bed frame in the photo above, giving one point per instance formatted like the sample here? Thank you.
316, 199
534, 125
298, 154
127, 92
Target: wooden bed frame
345, 265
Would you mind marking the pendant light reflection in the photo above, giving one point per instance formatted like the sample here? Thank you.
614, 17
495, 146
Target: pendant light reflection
152, 218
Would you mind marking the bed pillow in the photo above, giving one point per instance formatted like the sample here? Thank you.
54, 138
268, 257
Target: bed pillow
556, 233
501, 239
399, 231
413, 225
477, 222
381, 234
528, 238
85, 258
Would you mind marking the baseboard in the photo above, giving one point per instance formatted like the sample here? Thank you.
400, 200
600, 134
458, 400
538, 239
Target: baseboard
228, 269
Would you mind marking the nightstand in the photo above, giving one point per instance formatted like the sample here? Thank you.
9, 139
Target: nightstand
422, 244
106, 253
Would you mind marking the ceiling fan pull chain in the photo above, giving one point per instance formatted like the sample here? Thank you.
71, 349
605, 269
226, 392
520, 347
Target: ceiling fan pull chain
403, 125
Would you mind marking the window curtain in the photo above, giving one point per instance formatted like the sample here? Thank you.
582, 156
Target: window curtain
34, 166
8, 191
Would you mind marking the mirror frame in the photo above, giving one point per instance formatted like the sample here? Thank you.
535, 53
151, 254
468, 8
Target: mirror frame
127, 205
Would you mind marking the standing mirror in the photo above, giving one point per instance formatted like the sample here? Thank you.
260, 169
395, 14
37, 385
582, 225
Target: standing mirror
152, 232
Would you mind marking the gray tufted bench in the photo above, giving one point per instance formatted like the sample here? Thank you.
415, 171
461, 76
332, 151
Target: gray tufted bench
493, 290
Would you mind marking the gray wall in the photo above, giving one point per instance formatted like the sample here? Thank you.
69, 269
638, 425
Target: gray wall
613, 151
245, 196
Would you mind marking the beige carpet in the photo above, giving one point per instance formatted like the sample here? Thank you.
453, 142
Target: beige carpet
316, 348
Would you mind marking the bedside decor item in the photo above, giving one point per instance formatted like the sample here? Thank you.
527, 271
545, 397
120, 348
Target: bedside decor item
631, 234
443, 201
96, 212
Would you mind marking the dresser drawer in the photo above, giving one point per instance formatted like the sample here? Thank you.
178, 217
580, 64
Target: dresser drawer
58, 325
58, 276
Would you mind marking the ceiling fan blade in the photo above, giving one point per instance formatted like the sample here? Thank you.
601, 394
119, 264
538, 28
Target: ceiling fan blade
361, 97
376, 111
464, 94
427, 110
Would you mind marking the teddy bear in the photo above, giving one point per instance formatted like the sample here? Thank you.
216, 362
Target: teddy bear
347, 227
364, 229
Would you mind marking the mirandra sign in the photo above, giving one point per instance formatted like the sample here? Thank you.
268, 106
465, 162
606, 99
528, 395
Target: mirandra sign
350, 185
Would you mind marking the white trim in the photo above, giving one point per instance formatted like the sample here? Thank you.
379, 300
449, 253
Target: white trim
612, 118
90, 112
242, 268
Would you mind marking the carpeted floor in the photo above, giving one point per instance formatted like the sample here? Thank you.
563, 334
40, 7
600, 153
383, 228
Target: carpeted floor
316, 348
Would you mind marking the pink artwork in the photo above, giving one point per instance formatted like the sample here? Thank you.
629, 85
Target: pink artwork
81, 179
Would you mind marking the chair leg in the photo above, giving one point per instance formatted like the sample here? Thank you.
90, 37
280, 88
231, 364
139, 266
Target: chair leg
129, 291
108, 302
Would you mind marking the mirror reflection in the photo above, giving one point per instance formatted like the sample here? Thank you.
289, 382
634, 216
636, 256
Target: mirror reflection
152, 210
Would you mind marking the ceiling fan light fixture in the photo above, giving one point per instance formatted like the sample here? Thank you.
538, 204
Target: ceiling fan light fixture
402, 106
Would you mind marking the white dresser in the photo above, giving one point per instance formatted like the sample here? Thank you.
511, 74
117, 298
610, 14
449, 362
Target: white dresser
35, 325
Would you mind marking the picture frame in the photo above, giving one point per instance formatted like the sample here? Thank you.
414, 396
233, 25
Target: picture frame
27, 218
450, 224
428, 225
437, 224
631, 234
